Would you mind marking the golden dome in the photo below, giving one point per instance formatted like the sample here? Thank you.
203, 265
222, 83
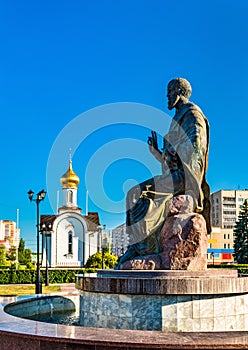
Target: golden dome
70, 179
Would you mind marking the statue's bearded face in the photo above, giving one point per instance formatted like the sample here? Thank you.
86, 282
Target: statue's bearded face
173, 96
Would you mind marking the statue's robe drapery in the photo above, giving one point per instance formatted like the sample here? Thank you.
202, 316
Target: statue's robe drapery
185, 160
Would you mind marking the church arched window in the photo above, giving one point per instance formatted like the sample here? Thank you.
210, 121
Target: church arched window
70, 242
70, 196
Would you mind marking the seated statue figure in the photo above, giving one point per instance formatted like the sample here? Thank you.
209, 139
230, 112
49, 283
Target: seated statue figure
184, 160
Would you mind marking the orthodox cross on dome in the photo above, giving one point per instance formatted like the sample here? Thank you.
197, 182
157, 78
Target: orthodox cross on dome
69, 182
70, 179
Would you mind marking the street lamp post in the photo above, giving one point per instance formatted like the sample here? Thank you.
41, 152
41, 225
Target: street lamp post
46, 230
212, 255
90, 236
103, 247
40, 196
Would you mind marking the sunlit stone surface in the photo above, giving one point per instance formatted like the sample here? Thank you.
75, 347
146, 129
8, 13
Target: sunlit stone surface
174, 302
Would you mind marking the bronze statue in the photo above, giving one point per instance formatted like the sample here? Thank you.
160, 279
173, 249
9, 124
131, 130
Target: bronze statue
184, 160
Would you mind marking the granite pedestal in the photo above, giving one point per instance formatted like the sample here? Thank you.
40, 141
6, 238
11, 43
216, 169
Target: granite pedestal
168, 301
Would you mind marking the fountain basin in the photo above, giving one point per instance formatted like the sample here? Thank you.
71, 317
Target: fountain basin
17, 333
43, 305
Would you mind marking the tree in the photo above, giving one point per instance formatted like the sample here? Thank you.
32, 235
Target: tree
95, 261
27, 257
11, 254
21, 249
24, 254
110, 260
240, 232
2, 255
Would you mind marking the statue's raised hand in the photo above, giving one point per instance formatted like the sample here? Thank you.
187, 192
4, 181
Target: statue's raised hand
153, 146
153, 140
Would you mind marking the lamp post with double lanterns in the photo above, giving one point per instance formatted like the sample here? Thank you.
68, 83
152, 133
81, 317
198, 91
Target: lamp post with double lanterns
46, 229
104, 246
40, 196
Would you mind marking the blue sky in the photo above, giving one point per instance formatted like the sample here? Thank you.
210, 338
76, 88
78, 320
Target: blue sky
61, 59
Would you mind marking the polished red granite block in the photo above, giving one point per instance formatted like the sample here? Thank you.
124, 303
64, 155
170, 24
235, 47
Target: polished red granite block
129, 340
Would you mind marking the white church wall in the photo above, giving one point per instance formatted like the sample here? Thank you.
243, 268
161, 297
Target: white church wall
91, 244
70, 197
66, 224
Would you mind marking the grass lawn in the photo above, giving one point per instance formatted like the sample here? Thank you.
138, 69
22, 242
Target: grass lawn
26, 289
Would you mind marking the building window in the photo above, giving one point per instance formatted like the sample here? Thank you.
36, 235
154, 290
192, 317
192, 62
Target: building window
224, 236
70, 196
228, 236
229, 199
241, 199
229, 212
229, 205
228, 226
224, 245
7, 230
70, 242
230, 219
228, 245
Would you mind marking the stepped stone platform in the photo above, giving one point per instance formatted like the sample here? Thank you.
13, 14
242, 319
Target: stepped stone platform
18, 333
168, 301
167, 273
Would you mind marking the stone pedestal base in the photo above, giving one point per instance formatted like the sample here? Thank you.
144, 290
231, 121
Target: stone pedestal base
182, 242
175, 313
170, 303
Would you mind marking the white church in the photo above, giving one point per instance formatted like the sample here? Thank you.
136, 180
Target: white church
69, 237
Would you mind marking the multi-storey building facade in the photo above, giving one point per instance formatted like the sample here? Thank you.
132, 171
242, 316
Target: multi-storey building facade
120, 240
226, 205
9, 234
225, 208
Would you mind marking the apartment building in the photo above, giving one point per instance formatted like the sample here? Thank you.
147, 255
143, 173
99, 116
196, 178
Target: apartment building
226, 205
225, 208
120, 240
9, 234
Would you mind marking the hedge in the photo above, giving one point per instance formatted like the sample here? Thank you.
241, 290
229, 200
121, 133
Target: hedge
242, 268
12, 276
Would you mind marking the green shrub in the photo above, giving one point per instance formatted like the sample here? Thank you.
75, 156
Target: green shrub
95, 261
28, 276
242, 268
30, 266
110, 260
61, 276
